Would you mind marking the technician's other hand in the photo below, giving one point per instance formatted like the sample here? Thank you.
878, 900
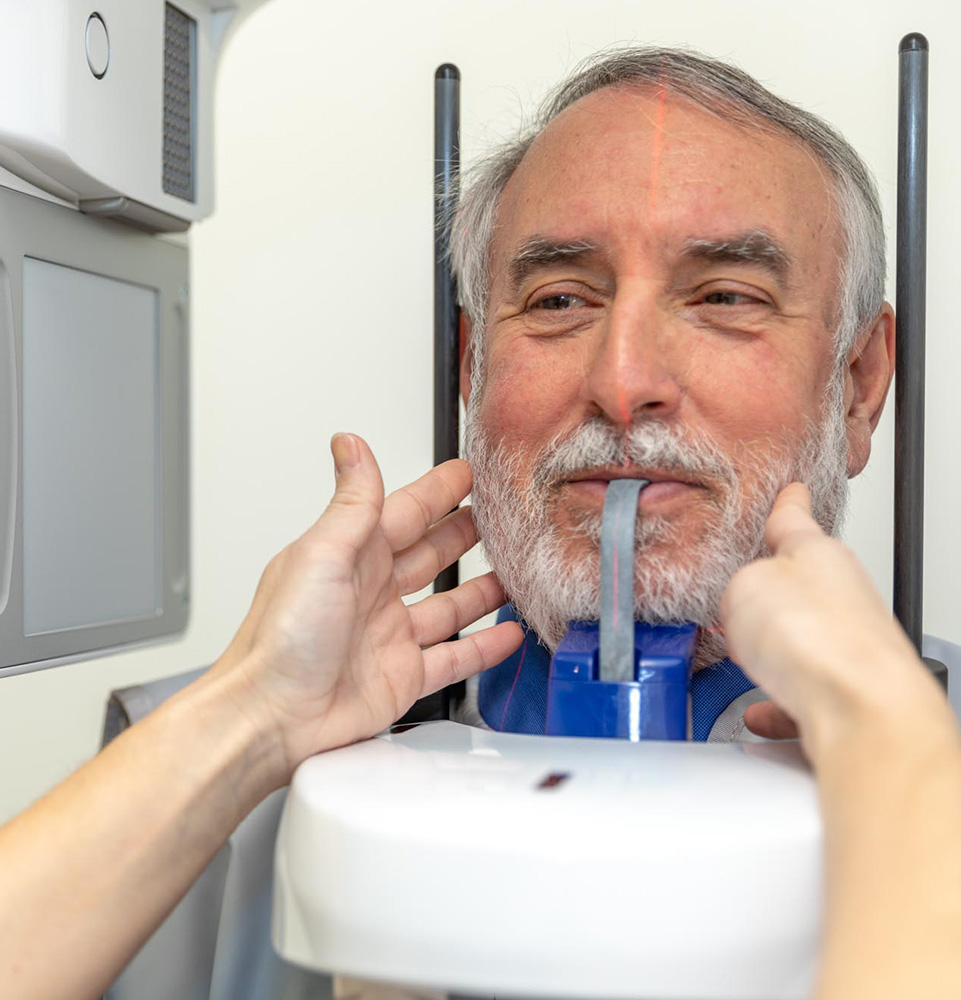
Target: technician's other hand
329, 653
810, 628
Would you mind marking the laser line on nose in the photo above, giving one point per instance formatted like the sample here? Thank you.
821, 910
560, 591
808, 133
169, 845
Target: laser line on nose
653, 189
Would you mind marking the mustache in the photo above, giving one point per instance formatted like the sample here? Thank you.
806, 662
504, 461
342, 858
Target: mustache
648, 444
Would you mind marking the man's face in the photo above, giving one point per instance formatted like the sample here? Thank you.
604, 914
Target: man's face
663, 278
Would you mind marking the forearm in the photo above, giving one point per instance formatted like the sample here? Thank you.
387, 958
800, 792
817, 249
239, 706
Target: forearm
90, 870
328, 654
891, 801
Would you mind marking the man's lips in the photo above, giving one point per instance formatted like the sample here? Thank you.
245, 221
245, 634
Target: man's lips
591, 486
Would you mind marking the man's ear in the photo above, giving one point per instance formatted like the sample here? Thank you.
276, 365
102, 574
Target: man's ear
870, 368
466, 355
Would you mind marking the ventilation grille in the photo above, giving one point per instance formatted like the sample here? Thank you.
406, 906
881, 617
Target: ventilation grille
179, 103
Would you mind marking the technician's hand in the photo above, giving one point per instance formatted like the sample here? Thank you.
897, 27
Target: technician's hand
810, 628
329, 652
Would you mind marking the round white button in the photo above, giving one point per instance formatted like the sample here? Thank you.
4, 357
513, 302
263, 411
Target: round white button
98, 45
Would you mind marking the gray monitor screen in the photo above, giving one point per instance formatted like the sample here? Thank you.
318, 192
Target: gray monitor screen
91, 449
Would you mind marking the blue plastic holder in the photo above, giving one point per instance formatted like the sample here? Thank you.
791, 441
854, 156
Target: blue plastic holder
651, 707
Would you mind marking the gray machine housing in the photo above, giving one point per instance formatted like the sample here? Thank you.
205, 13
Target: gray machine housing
62, 601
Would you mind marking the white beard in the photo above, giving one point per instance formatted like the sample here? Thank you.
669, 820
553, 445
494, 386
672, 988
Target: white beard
526, 549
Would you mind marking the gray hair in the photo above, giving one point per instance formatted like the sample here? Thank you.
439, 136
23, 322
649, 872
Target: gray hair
723, 90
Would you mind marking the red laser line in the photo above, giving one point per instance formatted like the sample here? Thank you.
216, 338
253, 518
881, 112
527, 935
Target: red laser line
658, 146
617, 521
510, 694
657, 149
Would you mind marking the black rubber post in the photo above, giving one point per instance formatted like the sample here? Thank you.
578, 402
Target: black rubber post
446, 311
909, 369
446, 327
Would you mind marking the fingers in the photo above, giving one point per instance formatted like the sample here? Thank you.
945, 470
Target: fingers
355, 508
765, 719
411, 510
443, 544
450, 662
441, 615
790, 519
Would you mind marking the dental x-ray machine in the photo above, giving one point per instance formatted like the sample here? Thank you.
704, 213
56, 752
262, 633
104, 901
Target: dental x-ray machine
578, 859
577, 855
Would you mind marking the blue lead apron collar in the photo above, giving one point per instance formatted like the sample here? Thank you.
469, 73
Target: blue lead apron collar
512, 697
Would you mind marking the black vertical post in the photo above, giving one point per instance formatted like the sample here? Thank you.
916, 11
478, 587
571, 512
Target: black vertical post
909, 368
446, 323
446, 312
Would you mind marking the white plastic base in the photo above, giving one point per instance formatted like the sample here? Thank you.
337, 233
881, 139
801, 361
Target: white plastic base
437, 857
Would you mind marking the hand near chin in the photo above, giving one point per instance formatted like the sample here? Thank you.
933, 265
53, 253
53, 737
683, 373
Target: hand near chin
809, 627
764, 718
329, 652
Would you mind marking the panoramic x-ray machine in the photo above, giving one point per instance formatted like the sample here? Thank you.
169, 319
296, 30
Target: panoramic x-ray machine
564, 865
578, 860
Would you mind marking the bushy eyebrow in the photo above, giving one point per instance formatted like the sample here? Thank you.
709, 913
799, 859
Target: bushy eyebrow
539, 252
754, 247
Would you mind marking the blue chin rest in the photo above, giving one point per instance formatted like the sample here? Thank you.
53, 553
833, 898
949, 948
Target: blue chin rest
652, 706
619, 678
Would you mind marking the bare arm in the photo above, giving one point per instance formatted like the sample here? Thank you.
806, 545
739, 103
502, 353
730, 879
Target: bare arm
328, 654
809, 627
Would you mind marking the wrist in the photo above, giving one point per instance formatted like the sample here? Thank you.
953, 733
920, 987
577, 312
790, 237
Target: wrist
886, 703
238, 728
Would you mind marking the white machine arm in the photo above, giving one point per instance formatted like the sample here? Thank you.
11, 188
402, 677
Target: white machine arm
109, 107
499, 864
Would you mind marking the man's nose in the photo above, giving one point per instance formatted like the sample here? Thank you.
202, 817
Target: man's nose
632, 371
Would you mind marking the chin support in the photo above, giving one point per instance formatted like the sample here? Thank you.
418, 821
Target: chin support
620, 678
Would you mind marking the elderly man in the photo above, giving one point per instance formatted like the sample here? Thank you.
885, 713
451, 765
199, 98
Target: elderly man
674, 275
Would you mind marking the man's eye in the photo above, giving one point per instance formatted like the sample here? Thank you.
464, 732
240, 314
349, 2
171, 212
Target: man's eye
728, 299
563, 300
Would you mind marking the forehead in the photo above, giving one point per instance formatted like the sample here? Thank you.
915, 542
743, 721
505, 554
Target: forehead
639, 172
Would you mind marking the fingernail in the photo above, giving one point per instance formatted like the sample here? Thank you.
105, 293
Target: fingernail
345, 451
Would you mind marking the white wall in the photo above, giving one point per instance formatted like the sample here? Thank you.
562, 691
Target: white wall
311, 283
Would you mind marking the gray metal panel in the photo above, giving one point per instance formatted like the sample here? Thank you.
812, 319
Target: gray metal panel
32, 228
91, 449
9, 438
